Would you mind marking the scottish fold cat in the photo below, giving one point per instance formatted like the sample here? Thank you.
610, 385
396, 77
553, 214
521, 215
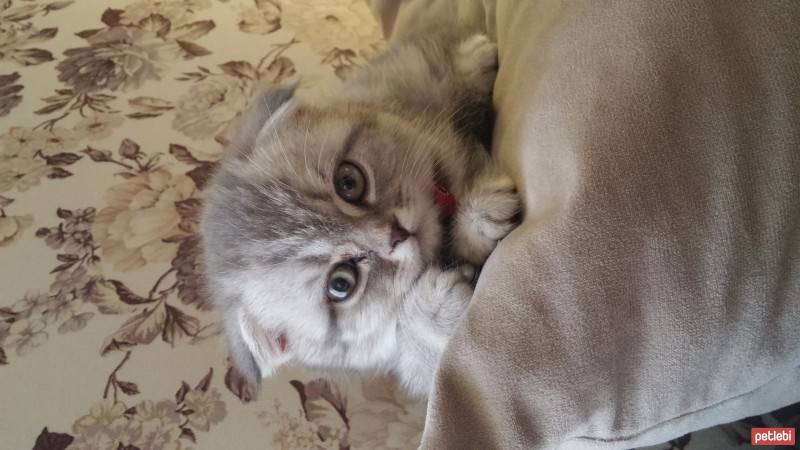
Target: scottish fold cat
342, 233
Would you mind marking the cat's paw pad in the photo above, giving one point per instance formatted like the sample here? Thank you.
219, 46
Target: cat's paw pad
491, 212
477, 61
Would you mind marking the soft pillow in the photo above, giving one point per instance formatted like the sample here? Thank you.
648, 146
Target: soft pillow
654, 286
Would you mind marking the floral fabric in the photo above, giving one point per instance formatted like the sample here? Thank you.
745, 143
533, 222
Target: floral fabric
112, 118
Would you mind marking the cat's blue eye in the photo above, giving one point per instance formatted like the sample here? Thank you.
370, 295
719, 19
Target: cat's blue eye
342, 282
349, 182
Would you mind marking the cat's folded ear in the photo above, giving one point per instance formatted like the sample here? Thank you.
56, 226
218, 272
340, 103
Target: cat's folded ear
256, 352
266, 110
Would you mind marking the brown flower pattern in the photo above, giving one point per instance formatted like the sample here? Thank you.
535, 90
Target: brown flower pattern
18, 34
140, 214
114, 115
260, 17
214, 102
10, 96
125, 56
12, 227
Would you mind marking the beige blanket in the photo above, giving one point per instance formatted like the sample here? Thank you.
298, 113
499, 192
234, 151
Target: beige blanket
654, 286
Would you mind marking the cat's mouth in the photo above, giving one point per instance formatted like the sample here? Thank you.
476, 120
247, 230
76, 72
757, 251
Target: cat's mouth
446, 205
445, 200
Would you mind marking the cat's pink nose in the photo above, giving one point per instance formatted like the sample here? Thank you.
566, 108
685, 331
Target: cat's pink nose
398, 235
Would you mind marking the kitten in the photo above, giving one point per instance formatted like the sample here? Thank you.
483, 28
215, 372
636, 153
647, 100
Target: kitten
341, 234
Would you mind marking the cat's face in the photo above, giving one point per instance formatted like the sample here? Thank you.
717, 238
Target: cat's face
317, 224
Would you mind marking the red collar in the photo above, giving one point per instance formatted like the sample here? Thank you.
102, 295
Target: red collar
444, 200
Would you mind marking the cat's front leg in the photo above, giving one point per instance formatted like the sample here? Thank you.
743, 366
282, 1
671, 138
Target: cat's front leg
431, 310
488, 211
476, 62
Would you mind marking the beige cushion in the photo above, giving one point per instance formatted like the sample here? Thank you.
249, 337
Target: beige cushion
654, 287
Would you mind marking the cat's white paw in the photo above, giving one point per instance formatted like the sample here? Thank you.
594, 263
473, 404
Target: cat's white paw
477, 61
454, 283
489, 213
440, 296
467, 271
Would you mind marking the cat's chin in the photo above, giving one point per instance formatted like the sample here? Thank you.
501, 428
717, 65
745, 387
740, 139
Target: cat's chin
417, 250
430, 235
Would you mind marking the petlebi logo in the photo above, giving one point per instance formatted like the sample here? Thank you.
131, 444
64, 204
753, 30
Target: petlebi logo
772, 436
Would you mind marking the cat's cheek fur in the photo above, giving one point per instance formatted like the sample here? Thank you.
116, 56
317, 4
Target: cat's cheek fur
265, 297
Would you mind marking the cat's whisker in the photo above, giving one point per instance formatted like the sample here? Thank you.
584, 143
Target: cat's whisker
424, 157
408, 149
324, 146
435, 129
277, 138
305, 151
257, 164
